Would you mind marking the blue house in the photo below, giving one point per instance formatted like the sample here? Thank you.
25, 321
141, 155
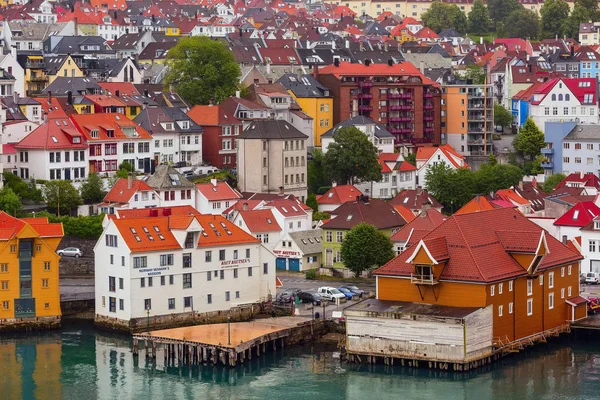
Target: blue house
589, 62
520, 104
554, 134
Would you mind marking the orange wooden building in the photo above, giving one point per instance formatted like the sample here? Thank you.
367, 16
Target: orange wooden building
496, 259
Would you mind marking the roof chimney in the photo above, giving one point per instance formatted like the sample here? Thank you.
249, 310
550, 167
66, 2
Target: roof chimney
581, 174
424, 207
69, 97
49, 97
572, 51
367, 62
521, 185
129, 181
336, 62
280, 189
16, 97
213, 181
390, 62
422, 67
117, 93
145, 92
534, 182
238, 94
245, 206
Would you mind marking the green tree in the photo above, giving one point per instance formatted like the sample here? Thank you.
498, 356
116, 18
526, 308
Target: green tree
443, 16
475, 73
365, 247
551, 182
317, 177
499, 10
320, 216
352, 157
202, 69
411, 158
22, 189
311, 201
554, 13
579, 14
502, 116
9, 201
92, 190
61, 196
522, 23
493, 177
451, 187
479, 21
530, 140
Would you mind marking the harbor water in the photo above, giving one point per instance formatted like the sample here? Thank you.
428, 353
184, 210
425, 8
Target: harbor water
79, 363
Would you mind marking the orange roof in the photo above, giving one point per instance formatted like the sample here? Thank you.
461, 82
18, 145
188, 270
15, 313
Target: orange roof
121, 193
124, 88
85, 123
147, 234
52, 108
112, 5
219, 231
104, 100
477, 204
157, 211
260, 221
348, 69
220, 191
10, 226
339, 194
205, 115
511, 196
404, 212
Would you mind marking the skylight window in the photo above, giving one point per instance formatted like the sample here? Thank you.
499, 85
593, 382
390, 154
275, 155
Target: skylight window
145, 229
156, 228
284, 210
54, 139
132, 230
161, 237
405, 200
269, 221
576, 214
349, 217
137, 238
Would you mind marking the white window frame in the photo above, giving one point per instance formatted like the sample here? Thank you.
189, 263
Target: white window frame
492, 290
551, 280
510, 308
529, 307
550, 301
529, 287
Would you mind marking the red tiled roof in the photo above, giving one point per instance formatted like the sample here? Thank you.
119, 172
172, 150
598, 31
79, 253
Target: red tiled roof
349, 69
426, 33
104, 100
101, 122
577, 300
10, 226
158, 211
425, 153
588, 180
124, 88
260, 221
511, 196
339, 194
404, 212
424, 222
53, 134
474, 250
580, 215
121, 193
287, 207
220, 191
414, 199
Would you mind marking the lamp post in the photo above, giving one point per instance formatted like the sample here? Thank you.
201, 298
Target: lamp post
229, 329
148, 319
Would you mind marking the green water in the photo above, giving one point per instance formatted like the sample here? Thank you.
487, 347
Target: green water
79, 363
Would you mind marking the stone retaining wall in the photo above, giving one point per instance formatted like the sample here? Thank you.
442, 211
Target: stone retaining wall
71, 266
29, 324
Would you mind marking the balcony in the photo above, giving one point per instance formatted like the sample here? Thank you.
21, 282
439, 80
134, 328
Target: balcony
35, 65
428, 118
365, 108
547, 164
399, 96
428, 107
400, 119
365, 84
547, 152
400, 108
419, 279
365, 96
428, 95
428, 129
400, 131
38, 78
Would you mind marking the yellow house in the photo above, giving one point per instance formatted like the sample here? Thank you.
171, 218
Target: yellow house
36, 79
315, 100
171, 31
62, 66
29, 289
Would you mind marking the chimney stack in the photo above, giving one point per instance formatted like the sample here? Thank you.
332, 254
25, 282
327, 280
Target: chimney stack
245, 206
69, 97
117, 93
422, 67
521, 185
238, 94
49, 97
424, 207
581, 174
16, 97
146, 93
280, 189
213, 181
129, 181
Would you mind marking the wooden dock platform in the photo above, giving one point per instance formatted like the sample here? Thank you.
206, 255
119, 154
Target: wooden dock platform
590, 322
225, 344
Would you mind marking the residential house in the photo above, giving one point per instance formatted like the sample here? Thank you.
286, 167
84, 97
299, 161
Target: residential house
259, 223
564, 62
589, 62
588, 181
530, 192
129, 193
397, 175
415, 199
377, 133
568, 226
336, 196
215, 197
430, 156
581, 150
590, 246
280, 151
521, 102
411, 233
554, 134
299, 251
132, 44
10, 64
588, 33
30, 292
172, 187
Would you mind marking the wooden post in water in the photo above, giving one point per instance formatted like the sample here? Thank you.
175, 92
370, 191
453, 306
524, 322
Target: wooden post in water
135, 347
154, 350
146, 347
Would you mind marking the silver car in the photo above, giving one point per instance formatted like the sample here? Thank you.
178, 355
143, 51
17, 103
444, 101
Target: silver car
70, 252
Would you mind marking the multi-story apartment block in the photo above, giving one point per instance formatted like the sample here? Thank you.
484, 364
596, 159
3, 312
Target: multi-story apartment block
468, 117
161, 265
395, 95
272, 158
581, 150
29, 290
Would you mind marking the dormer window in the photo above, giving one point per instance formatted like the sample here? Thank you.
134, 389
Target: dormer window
596, 224
110, 133
169, 126
94, 133
76, 140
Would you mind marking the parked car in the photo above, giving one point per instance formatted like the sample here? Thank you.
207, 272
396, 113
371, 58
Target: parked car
189, 174
287, 296
349, 295
310, 297
70, 252
592, 277
582, 278
355, 290
330, 293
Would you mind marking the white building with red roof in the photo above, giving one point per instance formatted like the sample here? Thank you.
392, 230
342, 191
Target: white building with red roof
397, 175
569, 224
429, 156
336, 196
129, 193
565, 99
187, 265
261, 224
53, 151
215, 197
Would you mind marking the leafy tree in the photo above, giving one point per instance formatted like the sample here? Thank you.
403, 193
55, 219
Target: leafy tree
311, 201
451, 187
317, 177
499, 10
122, 173
502, 116
554, 13
493, 177
411, 158
320, 216
92, 190
9, 201
202, 69
492, 160
126, 165
479, 20
530, 140
23, 190
352, 157
443, 16
552, 181
522, 23
61, 196
365, 247
475, 73
578, 15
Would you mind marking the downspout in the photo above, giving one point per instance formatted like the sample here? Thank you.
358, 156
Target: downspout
465, 337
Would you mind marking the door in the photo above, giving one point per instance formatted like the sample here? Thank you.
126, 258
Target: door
329, 257
294, 264
280, 263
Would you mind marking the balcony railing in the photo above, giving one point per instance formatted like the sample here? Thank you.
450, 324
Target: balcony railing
35, 65
365, 108
427, 118
548, 164
39, 78
400, 119
365, 96
428, 106
419, 279
428, 95
428, 129
399, 96
400, 108
547, 151
365, 84
400, 131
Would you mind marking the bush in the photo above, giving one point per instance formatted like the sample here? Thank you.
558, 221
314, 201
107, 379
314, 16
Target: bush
83, 227
311, 274
323, 189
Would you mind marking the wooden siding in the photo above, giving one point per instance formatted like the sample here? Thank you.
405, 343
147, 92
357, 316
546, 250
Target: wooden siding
503, 325
447, 293
581, 311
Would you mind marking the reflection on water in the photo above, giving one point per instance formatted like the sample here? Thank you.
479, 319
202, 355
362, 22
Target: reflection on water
79, 363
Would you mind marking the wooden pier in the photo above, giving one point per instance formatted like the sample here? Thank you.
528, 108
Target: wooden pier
224, 344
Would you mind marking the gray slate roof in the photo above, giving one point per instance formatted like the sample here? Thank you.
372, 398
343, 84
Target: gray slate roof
379, 132
62, 85
272, 129
304, 86
307, 241
584, 133
167, 177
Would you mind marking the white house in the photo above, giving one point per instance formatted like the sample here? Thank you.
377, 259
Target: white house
299, 251
125, 71
129, 193
9, 63
159, 266
397, 175
429, 156
377, 134
567, 227
590, 246
215, 197
260, 224
291, 215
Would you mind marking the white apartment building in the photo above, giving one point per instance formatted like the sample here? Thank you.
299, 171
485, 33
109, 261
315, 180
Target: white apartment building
215, 197
590, 246
160, 266
429, 156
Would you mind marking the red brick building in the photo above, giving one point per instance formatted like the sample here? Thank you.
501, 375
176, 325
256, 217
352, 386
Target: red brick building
221, 129
396, 95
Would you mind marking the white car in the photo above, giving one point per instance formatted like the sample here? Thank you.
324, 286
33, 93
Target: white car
331, 293
592, 278
70, 252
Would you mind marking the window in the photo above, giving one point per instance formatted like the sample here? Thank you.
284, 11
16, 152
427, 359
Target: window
265, 268
121, 283
227, 296
551, 280
339, 237
328, 236
248, 254
171, 304
235, 272
143, 282
237, 294
45, 283
187, 260
249, 271
187, 302
529, 307
550, 301
541, 280
569, 291
171, 279
147, 304
140, 262
47, 266
150, 281
166, 259
111, 240
562, 271
562, 293
4, 285
569, 270
529, 287
208, 256
221, 255
4, 267
500, 288
6, 305
492, 290
208, 276
209, 298
222, 274
112, 285
112, 259
510, 308
187, 281
500, 311
510, 286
